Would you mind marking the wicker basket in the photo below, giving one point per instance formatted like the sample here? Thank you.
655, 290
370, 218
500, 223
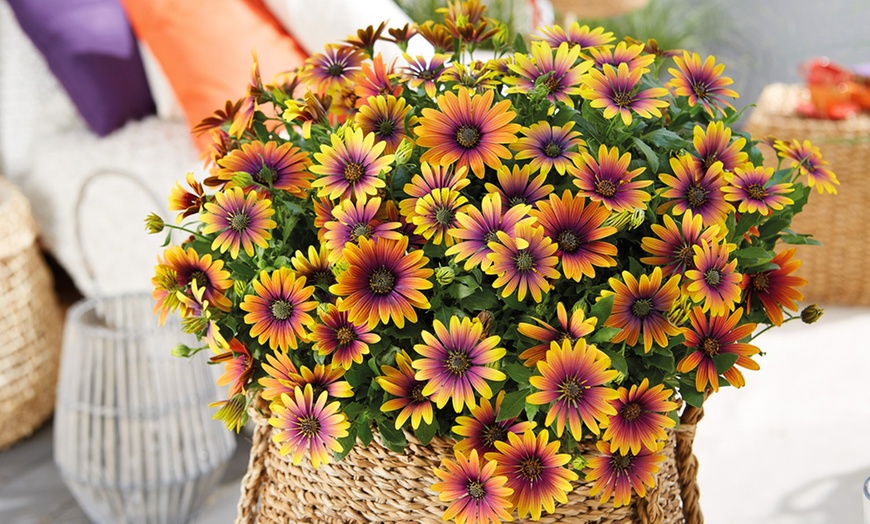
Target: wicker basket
31, 323
596, 9
838, 221
374, 484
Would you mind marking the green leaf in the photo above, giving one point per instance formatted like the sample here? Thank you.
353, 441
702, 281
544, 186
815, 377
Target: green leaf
604, 335
724, 361
602, 308
518, 372
460, 291
520, 44
352, 410
425, 432
799, 239
666, 139
391, 437
479, 301
663, 361
364, 432
692, 396
617, 360
773, 227
512, 405
532, 410
651, 158
753, 253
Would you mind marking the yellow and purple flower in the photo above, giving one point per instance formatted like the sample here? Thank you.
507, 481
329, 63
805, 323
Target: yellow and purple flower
775, 288
280, 377
475, 76
353, 221
385, 117
523, 262
548, 147
608, 180
475, 493
277, 312
572, 379
641, 307
468, 131
808, 160
673, 250
269, 165
336, 67
714, 144
351, 166
376, 80
435, 215
240, 221
559, 75
615, 473
516, 186
238, 367
709, 337
315, 267
640, 420
383, 282
346, 341
713, 281
456, 362
702, 83
476, 228
576, 35
408, 391
577, 228
699, 191
623, 53
307, 426
482, 430
324, 378
431, 178
535, 471
570, 329
614, 89
178, 270
187, 202
424, 72
752, 186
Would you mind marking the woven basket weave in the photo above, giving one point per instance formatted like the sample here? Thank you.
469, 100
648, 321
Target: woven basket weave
596, 9
374, 484
838, 221
30, 321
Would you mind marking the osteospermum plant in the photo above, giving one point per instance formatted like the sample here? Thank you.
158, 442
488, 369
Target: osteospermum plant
541, 254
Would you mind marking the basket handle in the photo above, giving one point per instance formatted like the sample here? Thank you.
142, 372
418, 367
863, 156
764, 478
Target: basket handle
77, 210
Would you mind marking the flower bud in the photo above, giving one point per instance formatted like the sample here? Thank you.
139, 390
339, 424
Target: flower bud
636, 219
618, 220
403, 152
181, 350
444, 275
811, 314
579, 462
542, 310
194, 325
322, 308
154, 224
242, 179
485, 319
501, 35
240, 287
233, 412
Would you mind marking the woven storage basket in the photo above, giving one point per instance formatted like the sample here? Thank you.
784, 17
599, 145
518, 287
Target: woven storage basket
30, 321
838, 221
594, 9
374, 484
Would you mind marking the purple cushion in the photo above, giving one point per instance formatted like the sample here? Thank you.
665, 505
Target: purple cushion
90, 48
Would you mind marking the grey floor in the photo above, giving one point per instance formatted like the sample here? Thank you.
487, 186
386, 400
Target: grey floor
789, 448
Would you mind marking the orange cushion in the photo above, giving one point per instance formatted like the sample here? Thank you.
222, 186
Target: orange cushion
205, 48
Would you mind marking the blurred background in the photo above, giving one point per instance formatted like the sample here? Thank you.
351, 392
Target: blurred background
97, 98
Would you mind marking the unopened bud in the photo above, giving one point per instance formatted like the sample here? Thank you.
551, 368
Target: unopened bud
811, 314
403, 152
579, 462
619, 220
636, 219
240, 287
181, 350
242, 179
322, 308
444, 275
485, 319
154, 224
501, 35
542, 310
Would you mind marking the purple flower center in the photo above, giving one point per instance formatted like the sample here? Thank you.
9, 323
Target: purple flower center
605, 188
281, 309
386, 127
467, 136
490, 236
345, 335
622, 98
360, 229
524, 260
457, 362
239, 221
200, 278
335, 69
568, 241
475, 489
265, 175
492, 434
552, 83
308, 426
710, 346
382, 281
444, 216
761, 282
353, 172
571, 389
697, 196
642, 308
417, 392
631, 411
700, 89
531, 468
756, 191
516, 200
621, 462
686, 256
552, 149
712, 277
426, 74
